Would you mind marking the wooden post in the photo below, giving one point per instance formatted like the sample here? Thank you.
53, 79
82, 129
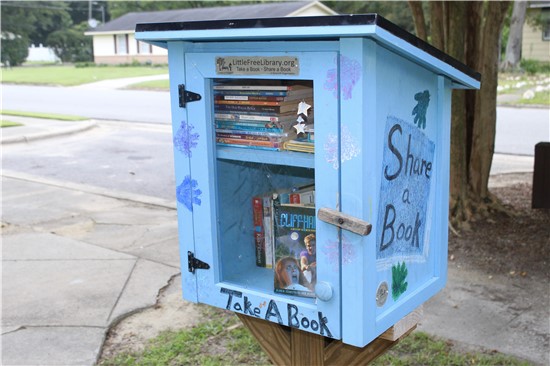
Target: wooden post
290, 346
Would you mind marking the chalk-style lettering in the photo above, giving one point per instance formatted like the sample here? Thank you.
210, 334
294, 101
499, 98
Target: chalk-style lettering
417, 166
388, 225
417, 223
293, 321
323, 324
273, 310
248, 307
405, 197
395, 151
231, 293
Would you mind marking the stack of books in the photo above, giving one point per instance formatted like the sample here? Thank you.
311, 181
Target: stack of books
257, 116
304, 142
284, 221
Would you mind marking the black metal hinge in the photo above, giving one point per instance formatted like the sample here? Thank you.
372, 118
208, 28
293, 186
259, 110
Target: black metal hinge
186, 96
194, 263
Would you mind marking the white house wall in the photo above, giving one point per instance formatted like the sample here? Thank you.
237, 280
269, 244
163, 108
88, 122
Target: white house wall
105, 51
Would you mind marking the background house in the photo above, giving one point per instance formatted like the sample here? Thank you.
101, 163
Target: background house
536, 41
114, 42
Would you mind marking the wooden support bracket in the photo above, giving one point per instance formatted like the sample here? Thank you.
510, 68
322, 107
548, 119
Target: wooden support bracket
290, 346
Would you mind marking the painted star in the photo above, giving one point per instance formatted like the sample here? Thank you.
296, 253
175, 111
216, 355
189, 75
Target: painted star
303, 107
300, 128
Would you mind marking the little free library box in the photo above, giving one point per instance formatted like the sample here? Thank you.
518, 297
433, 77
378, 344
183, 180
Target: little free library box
312, 168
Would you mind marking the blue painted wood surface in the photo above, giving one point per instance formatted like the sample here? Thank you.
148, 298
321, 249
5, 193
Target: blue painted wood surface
382, 142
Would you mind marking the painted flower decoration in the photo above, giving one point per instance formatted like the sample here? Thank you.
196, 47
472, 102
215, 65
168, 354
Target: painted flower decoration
188, 193
350, 73
185, 139
349, 147
332, 251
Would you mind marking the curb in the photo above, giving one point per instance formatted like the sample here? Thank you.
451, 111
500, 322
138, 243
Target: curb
85, 126
111, 193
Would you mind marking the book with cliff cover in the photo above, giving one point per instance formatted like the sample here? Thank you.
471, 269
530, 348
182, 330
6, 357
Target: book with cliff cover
293, 233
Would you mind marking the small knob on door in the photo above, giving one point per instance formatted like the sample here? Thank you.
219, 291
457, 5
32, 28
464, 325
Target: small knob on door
323, 291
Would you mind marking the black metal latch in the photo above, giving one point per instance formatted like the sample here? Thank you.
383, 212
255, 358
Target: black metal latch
186, 96
194, 263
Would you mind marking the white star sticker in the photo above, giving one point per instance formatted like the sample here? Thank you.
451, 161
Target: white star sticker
300, 119
300, 128
303, 107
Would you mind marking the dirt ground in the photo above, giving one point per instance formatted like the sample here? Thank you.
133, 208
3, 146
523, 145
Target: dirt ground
516, 245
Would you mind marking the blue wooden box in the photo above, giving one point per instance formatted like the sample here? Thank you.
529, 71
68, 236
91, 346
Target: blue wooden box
381, 111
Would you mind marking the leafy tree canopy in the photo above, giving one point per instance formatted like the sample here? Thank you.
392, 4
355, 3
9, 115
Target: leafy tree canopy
35, 19
397, 12
119, 8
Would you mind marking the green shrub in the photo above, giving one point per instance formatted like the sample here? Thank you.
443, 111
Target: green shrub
14, 50
535, 66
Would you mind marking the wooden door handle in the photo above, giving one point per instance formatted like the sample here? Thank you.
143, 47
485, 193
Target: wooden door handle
344, 221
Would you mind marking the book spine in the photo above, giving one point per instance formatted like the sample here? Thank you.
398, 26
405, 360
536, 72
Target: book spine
250, 98
258, 93
260, 127
259, 237
249, 117
254, 108
249, 142
225, 132
253, 87
252, 102
244, 138
268, 231
266, 107
249, 146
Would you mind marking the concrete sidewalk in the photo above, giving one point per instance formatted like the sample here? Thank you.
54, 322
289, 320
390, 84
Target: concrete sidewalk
77, 259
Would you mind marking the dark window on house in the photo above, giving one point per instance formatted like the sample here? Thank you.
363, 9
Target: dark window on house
545, 24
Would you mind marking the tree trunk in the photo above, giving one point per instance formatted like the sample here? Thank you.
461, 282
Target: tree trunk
483, 134
470, 32
419, 21
437, 17
513, 47
455, 47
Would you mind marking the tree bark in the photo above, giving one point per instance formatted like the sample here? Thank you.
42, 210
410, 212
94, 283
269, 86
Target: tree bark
419, 21
437, 21
513, 47
459, 168
483, 134
470, 32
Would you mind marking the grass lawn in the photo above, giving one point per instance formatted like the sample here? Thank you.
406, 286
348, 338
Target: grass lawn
60, 117
70, 75
519, 84
222, 340
152, 85
6, 123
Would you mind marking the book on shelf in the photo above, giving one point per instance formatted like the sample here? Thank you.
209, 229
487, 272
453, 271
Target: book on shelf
263, 217
270, 145
249, 86
287, 95
256, 97
223, 132
303, 143
254, 117
258, 126
265, 108
293, 233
